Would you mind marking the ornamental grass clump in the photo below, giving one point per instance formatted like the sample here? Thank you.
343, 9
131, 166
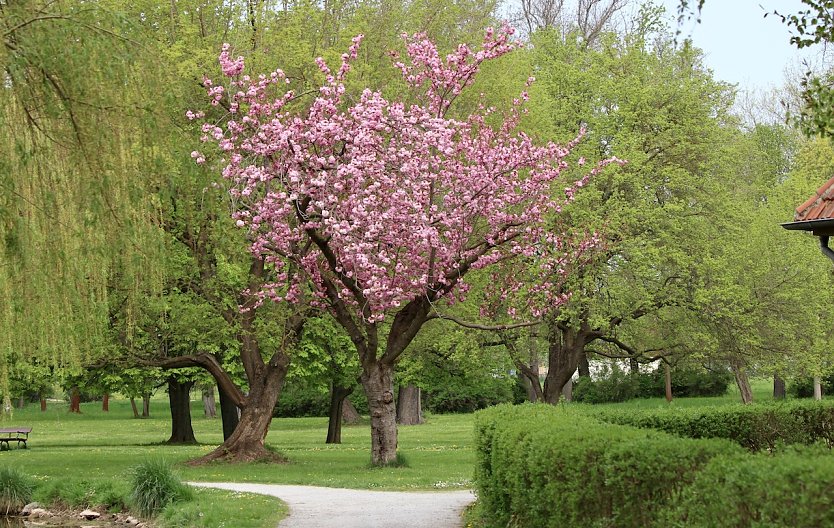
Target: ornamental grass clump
154, 486
15, 490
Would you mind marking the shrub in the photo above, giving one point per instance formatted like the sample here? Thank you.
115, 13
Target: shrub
755, 427
541, 466
154, 486
791, 489
15, 490
614, 385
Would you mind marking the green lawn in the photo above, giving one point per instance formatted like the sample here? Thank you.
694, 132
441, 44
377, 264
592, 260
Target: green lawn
438, 454
98, 446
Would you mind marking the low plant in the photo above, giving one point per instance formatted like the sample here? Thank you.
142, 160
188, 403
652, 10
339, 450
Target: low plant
154, 486
15, 490
84, 493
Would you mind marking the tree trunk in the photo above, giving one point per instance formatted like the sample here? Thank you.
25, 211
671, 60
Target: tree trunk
566, 347
21, 402
409, 405
146, 406
633, 366
209, 405
246, 443
667, 376
179, 395
378, 382
584, 366
779, 392
817, 388
133, 406
75, 401
350, 415
742, 381
229, 414
334, 423
105, 402
567, 391
43, 404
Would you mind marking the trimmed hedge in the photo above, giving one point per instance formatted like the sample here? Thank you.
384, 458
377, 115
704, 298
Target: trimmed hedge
755, 427
792, 489
545, 466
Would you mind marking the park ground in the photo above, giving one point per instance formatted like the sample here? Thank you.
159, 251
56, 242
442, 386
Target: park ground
97, 446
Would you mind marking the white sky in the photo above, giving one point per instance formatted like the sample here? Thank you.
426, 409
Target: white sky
741, 46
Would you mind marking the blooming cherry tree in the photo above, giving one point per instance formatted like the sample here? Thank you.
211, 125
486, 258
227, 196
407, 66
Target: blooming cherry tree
376, 209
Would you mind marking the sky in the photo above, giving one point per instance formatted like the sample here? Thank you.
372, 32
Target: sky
741, 46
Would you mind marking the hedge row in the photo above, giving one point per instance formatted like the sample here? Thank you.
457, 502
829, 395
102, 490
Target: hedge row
755, 427
757, 490
540, 466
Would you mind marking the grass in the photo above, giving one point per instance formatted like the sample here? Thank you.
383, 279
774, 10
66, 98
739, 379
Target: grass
439, 453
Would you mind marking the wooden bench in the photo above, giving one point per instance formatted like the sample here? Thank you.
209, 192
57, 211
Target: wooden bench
14, 434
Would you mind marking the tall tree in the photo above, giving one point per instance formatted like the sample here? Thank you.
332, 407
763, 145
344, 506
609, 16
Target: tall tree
382, 207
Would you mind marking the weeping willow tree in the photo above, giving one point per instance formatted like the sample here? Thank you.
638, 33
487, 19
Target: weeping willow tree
75, 220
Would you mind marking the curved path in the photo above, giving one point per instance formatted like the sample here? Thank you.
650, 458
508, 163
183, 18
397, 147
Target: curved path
314, 507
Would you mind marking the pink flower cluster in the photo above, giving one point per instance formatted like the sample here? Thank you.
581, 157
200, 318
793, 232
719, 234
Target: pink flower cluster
379, 202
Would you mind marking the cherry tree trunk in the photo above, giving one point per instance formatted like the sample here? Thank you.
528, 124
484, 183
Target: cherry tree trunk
209, 405
779, 392
378, 382
338, 395
105, 402
246, 443
43, 404
742, 381
350, 415
564, 355
229, 414
179, 396
409, 405
75, 401
133, 406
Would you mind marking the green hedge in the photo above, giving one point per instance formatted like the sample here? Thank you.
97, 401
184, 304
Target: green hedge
755, 427
794, 489
543, 466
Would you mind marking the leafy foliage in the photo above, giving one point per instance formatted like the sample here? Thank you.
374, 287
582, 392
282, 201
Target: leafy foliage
758, 427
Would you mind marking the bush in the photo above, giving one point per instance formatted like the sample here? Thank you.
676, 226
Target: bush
541, 466
84, 493
614, 385
755, 427
15, 490
792, 489
154, 486
466, 394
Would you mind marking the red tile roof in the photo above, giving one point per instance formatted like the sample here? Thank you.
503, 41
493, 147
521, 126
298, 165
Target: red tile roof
819, 206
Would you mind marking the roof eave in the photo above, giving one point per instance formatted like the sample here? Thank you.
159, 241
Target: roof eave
820, 227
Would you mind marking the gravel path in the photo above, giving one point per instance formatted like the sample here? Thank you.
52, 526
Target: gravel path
313, 507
